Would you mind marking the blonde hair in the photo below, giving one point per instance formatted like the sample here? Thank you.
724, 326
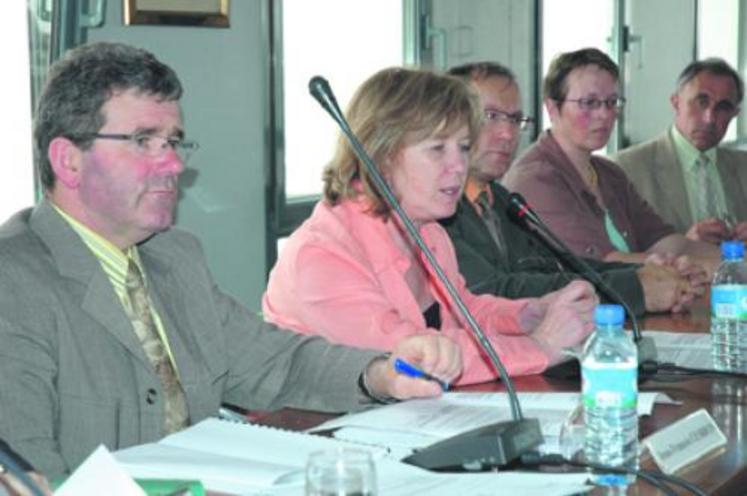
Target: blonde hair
393, 108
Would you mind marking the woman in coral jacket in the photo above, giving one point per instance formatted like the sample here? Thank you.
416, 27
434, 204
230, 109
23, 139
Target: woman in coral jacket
352, 273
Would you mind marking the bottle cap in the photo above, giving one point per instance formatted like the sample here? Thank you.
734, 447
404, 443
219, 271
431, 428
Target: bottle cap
609, 315
732, 250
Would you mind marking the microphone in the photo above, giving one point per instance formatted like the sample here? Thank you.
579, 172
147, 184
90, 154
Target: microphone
521, 213
322, 93
493, 445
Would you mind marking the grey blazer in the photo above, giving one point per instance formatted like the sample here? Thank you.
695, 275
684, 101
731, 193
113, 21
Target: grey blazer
73, 375
654, 169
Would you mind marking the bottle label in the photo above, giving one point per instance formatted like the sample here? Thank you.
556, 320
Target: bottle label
610, 385
729, 301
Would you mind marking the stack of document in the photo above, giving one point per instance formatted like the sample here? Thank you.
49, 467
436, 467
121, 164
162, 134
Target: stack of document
684, 349
246, 459
403, 427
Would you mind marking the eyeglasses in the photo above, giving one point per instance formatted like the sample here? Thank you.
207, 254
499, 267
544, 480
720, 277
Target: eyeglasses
517, 119
151, 145
589, 104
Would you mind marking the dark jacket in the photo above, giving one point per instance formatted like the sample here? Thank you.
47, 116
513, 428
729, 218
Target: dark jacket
530, 267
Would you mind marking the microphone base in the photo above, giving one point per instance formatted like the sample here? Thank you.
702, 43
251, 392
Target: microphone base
646, 353
646, 349
570, 370
494, 445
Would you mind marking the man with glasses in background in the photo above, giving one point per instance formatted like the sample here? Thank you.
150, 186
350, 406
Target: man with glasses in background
112, 328
694, 185
497, 256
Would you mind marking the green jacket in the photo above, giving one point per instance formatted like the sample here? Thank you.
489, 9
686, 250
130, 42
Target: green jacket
530, 267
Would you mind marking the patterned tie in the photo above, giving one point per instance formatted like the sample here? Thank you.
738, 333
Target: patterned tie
706, 194
175, 404
492, 222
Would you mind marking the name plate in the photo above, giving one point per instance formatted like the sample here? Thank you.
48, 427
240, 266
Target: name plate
685, 441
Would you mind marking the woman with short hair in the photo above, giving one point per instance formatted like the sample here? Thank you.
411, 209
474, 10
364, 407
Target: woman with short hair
586, 199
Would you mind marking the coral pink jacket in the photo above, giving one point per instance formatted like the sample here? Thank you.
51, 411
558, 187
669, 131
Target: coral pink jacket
341, 275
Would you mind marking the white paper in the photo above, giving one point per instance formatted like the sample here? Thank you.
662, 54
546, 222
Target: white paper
398, 479
683, 442
224, 456
219, 473
230, 457
453, 413
404, 426
684, 349
97, 475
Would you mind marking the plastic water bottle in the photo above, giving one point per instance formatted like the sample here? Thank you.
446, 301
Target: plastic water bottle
609, 371
729, 310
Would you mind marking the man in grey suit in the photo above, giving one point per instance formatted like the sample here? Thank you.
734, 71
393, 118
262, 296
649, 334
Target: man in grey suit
112, 329
695, 185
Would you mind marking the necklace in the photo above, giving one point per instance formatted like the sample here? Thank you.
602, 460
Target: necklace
592, 177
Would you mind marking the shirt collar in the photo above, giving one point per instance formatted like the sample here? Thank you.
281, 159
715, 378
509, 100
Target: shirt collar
686, 152
473, 189
113, 260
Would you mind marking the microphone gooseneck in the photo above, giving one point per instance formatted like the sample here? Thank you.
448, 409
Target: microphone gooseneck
520, 212
523, 432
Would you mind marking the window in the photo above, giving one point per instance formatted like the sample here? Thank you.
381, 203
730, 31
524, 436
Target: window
367, 36
569, 25
313, 39
718, 36
17, 186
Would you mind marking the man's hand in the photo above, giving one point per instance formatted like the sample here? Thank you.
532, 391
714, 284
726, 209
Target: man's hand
695, 272
568, 320
664, 289
711, 230
439, 356
698, 272
740, 231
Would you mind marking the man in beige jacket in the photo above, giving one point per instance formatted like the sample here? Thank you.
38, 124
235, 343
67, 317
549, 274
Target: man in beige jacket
693, 183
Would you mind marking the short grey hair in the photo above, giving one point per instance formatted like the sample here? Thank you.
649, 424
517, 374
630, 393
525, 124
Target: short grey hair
715, 66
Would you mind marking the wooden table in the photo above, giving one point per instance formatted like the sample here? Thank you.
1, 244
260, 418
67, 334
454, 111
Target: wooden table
721, 473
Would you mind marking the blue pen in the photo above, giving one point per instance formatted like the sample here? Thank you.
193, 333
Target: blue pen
409, 370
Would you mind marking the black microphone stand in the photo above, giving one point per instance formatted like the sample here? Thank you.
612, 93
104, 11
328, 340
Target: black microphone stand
648, 365
494, 445
519, 210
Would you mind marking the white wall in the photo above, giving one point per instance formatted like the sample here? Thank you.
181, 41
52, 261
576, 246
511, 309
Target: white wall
666, 44
491, 30
502, 30
225, 104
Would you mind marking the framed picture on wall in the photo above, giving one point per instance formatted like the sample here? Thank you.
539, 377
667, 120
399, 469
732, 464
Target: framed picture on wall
209, 13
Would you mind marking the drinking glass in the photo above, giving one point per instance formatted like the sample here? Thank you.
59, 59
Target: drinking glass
340, 472
572, 434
